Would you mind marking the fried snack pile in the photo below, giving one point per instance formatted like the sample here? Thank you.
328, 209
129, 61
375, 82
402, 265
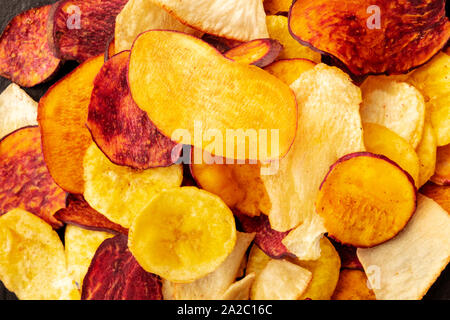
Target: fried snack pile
226, 150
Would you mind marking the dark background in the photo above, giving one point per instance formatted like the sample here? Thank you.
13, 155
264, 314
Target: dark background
10, 8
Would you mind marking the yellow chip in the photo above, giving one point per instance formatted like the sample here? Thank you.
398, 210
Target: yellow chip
32, 261
441, 175
119, 193
426, 151
288, 70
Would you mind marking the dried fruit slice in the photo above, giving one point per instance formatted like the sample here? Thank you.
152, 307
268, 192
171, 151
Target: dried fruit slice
79, 213
178, 100
411, 262
114, 274
240, 290
242, 20
276, 6
278, 29
289, 70
442, 174
372, 36
365, 199
119, 193
381, 140
352, 285
440, 194
24, 179
25, 56
396, 105
133, 140
62, 116
80, 29
426, 151
259, 52
17, 110
32, 261
281, 280
142, 15
329, 117
169, 237
80, 246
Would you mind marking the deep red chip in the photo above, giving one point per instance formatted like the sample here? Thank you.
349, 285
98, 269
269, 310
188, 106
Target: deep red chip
349, 259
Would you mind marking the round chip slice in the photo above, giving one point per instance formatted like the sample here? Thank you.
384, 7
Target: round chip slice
183, 234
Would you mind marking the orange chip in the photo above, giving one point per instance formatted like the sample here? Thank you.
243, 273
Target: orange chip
440, 194
352, 285
260, 52
289, 70
442, 174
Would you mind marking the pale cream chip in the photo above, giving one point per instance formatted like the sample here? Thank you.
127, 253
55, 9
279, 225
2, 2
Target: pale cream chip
405, 267
17, 110
240, 290
242, 20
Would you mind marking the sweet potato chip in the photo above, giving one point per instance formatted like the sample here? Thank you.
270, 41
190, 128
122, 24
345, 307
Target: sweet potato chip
114, 274
169, 237
442, 172
289, 70
62, 116
80, 29
278, 29
32, 261
396, 105
120, 129
215, 284
177, 99
110, 49
79, 213
266, 238
80, 246
142, 15
440, 194
259, 52
411, 262
426, 151
240, 290
242, 20
25, 56
370, 36
352, 285
381, 140
349, 259
221, 44
17, 110
365, 199
24, 179
277, 6
329, 117
120, 193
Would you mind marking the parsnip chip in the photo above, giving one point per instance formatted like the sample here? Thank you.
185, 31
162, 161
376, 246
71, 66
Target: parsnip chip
396, 105
440, 194
142, 15
242, 20
329, 118
410, 263
289, 70
426, 151
17, 110
240, 290
257, 260
183, 234
278, 30
119, 193
442, 172
32, 261
214, 285
352, 285
80, 246
281, 280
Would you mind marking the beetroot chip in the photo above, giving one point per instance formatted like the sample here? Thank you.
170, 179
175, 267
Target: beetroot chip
80, 29
267, 239
349, 259
25, 55
119, 127
78, 212
114, 274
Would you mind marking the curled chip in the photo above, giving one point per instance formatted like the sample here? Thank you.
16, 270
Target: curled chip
24, 179
372, 36
426, 151
32, 261
17, 110
62, 116
80, 246
80, 29
178, 100
259, 52
114, 274
221, 44
266, 238
366, 199
120, 193
25, 56
79, 213
289, 70
440, 194
120, 129
442, 174
169, 237
353, 285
